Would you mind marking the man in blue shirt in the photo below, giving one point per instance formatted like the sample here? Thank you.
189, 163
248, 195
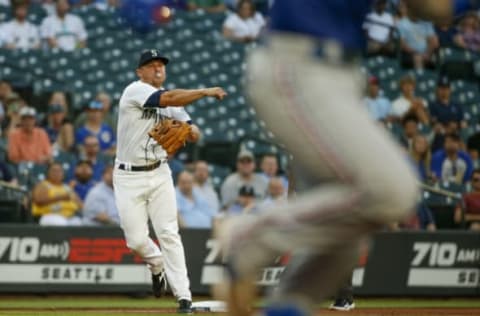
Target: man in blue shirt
418, 42
99, 207
451, 163
193, 209
443, 111
82, 182
96, 127
378, 106
91, 153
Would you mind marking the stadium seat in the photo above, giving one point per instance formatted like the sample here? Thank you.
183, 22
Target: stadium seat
218, 173
5, 14
221, 153
36, 13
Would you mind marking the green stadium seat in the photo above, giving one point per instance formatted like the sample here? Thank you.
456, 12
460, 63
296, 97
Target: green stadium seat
66, 159
395, 129
36, 13
5, 14
449, 54
218, 174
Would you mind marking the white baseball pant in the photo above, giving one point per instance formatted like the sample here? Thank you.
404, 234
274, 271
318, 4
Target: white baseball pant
362, 179
150, 194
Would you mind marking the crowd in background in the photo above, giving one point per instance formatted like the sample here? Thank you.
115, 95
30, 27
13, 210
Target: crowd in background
82, 192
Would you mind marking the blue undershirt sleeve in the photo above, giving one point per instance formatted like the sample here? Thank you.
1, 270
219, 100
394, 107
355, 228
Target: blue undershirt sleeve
153, 100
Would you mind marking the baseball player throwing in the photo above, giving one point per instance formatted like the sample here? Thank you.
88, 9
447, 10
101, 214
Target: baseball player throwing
152, 124
306, 85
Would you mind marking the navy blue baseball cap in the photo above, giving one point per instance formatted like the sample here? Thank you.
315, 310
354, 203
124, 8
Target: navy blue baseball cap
149, 55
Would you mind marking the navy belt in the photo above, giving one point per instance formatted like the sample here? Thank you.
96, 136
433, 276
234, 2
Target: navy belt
123, 166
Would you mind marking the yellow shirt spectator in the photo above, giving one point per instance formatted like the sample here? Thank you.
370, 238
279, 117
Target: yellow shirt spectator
53, 197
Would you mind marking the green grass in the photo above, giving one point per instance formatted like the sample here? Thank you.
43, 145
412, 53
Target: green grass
85, 302
53, 305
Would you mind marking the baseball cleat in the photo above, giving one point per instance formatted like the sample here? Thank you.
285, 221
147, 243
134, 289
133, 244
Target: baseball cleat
343, 305
159, 284
184, 307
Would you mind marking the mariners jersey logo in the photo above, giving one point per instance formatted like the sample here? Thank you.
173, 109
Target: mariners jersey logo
152, 113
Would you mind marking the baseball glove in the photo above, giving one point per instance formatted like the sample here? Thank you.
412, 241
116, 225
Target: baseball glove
171, 134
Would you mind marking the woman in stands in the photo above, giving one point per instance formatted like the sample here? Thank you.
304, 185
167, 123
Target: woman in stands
244, 25
422, 157
53, 201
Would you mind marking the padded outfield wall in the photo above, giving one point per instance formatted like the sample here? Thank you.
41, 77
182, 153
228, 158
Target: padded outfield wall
36, 259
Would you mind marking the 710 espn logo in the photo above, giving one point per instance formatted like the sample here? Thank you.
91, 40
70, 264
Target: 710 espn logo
75, 250
444, 254
440, 264
29, 249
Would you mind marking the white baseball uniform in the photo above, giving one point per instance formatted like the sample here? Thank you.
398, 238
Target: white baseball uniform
148, 194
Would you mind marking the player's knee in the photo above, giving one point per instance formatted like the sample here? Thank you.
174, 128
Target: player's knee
138, 245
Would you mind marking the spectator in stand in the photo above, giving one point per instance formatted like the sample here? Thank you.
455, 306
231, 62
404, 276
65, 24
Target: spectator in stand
473, 146
193, 209
54, 201
13, 106
62, 29
59, 97
439, 132
211, 6
176, 166
7, 95
94, 125
378, 26
48, 6
471, 202
245, 202
378, 106
58, 128
418, 41
27, 142
91, 153
245, 24
276, 194
203, 185
100, 208
83, 181
443, 111
6, 174
422, 157
6, 91
19, 33
468, 36
410, 131
408, 104
269, 169
244, 176
108, 116
446, 33
451, 163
